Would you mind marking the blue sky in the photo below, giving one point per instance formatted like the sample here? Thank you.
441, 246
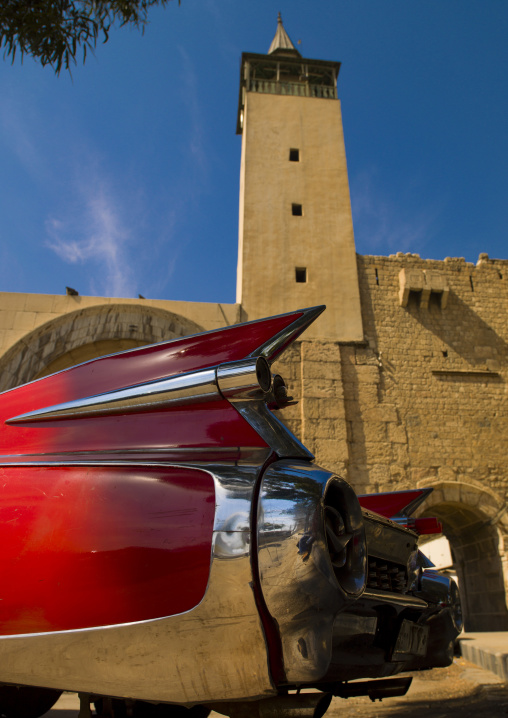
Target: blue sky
124, 178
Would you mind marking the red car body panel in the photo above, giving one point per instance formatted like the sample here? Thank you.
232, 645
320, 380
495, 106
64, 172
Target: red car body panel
102, 545
391, 503
213, 424
111, 544
146, 364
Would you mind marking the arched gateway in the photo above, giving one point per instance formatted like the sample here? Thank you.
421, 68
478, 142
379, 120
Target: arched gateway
475, 521
85, 334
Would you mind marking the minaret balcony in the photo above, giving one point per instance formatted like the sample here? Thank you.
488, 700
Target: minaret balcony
297, 89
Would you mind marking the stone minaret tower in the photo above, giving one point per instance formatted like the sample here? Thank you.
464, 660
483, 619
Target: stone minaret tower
296, 242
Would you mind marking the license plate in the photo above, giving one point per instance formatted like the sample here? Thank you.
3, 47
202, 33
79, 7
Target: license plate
411, 641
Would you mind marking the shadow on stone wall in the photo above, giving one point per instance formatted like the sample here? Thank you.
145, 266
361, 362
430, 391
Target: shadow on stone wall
461, 329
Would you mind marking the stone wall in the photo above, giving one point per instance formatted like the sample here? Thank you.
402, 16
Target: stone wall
439, 409
422, 402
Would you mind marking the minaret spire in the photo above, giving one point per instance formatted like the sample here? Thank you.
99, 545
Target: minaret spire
282, 42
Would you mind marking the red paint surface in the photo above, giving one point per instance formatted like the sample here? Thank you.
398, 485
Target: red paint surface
428, 525
390, 503
207, 425
95, 546
147, 364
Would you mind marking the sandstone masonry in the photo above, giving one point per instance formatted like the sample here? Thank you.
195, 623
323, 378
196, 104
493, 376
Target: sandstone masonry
421, 402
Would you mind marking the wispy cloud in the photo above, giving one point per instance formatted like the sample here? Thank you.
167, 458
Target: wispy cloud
96, 234
99, 213
384, 225
196, 128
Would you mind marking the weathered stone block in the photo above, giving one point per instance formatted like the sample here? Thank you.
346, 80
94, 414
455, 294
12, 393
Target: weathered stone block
323, 408
446, 473
379, 473
366, 356
383, 412
320, 370
398, 474
401, 454
13, 301
290, 413
368, 394
451, 492
24, 320
43, 317
375, 431
330, 450
7, 318
321, 387
348, 354
397, 434
321, 352
319, 428
381, 452
367, 374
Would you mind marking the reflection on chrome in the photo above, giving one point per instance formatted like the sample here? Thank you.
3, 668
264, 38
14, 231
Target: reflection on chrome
272, 430
181, 389
234, 539
246, 379
301, 588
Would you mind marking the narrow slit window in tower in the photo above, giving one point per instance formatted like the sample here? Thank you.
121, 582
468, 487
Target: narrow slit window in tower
294, 154
296, 210
301, 274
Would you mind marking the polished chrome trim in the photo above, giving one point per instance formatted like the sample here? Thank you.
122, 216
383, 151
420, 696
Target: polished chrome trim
276, 345
156, 661
260, 458
181, 389
297, 579
139, 450
271, 429
82, 462
400, 599
238, 454
241, 384
389, 523
241, 379
440, 590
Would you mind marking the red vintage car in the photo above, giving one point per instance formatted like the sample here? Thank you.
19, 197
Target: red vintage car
168, 546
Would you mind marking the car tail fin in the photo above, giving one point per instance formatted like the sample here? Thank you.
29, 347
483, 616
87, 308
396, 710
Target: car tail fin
399, 507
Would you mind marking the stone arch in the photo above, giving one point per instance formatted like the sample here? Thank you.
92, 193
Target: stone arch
475, 521
87, 333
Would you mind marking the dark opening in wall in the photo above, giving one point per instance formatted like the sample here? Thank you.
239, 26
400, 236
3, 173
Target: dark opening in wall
415, 298
294, 155
301, 274
296, 210
435, 300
